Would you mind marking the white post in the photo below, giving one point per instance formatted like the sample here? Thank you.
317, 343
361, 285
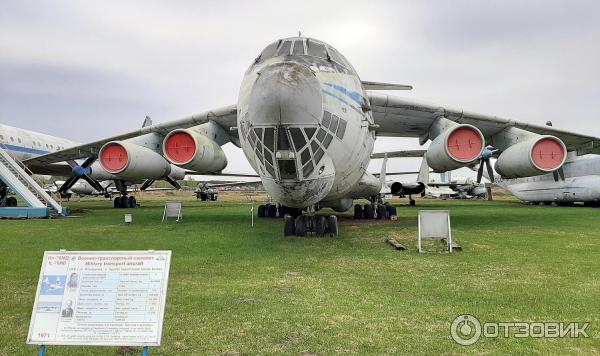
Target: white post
450, 233
419, 239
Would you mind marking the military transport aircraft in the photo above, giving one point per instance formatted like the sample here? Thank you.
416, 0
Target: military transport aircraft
307, 124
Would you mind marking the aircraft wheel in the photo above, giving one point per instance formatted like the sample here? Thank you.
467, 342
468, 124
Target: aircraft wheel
288, 226
203, 197
117, 203
300, 226
261, 211
368, 211
332, 226
391, 211
11, 201
132, 202
320, 225
272, 211
124, 202
358, 212
381, 212
412, 202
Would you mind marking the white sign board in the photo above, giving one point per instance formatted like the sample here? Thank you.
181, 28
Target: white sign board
172, 210
434, 225
106, 298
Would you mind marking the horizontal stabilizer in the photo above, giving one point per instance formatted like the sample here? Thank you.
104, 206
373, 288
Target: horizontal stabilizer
385, 86
399, 154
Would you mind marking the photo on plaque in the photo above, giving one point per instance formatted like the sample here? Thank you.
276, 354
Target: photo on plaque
53, 285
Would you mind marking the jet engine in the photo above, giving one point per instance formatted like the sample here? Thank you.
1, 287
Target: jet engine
192, 150
539, 155
129, 161
455, 147
400, 189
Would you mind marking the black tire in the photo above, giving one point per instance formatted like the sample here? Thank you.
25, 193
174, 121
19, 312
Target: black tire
132, 202
412, 202
125, 203
358, 212
368, 211
272, 211
300, 226
117, 203
288, 226
261, 211
11, 202
332, 226
320, 225
381, 212
203, 196
393, 211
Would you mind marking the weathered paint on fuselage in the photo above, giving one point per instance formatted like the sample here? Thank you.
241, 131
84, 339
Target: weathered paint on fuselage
310, 93
581, 183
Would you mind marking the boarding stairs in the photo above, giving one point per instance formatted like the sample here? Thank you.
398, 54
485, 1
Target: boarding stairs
13, 173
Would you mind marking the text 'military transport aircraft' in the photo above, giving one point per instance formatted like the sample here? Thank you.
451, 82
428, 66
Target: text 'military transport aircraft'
307, 124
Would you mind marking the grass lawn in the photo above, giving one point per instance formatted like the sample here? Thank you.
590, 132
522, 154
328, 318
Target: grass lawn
234, 289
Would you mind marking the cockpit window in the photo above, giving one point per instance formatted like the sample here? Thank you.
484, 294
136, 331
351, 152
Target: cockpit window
316, 49
284, 50
337, 57
269, 51
298, 47
283, 143
287, 169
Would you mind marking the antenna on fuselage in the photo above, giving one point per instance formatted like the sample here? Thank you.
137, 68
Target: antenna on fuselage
299, 33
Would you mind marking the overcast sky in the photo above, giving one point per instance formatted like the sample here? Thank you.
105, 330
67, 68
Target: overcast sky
85, 70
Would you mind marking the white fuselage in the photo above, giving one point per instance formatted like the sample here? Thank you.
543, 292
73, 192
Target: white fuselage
302, 127
581, 183
24, 144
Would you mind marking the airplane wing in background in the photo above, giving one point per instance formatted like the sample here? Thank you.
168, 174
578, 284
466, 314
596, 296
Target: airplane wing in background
400, 154
225, 117
398, 117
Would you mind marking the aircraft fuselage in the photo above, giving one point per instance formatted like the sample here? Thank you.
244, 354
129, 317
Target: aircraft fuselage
305, 125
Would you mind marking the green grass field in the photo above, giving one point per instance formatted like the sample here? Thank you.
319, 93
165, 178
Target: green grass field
234, 289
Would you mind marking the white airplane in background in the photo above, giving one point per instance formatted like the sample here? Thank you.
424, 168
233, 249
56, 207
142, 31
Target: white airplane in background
307, 125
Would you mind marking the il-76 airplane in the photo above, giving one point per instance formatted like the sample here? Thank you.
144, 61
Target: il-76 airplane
307, 124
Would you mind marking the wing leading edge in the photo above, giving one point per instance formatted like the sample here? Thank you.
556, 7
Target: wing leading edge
226, 117
407, 118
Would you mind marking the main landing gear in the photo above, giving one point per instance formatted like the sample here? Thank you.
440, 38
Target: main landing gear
375, 210
297, 224
123, 201
5, 200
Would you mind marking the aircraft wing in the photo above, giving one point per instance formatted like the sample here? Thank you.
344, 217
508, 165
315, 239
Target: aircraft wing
400, 154
226, 117
407, 118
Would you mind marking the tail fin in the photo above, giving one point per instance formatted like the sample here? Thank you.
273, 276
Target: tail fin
147, 122
423, 176
383, 170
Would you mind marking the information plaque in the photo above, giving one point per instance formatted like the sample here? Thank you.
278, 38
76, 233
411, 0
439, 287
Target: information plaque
106, 298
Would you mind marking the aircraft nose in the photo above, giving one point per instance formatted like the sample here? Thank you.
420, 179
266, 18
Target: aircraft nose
286, 94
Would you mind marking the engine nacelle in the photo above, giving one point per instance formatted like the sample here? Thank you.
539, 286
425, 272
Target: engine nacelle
533, 157
455, 147
129, 161
192, 150
400, 189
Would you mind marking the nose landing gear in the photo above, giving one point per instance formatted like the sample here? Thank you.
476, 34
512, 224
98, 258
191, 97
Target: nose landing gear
297, 224
307, 224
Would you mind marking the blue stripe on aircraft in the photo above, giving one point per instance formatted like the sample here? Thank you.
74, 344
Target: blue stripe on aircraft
342, 100
351, 94
25, 149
